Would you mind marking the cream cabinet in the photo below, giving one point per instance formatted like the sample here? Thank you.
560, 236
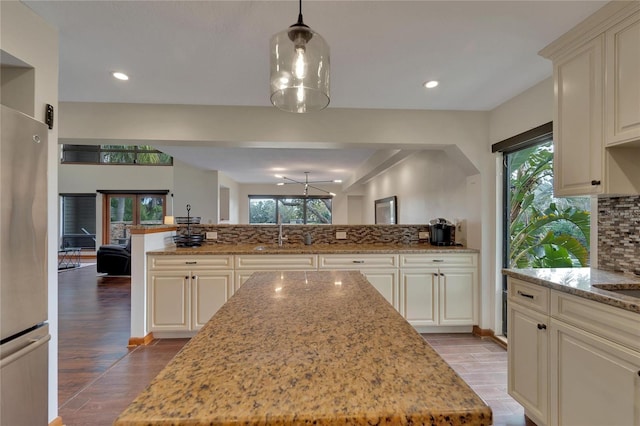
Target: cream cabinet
597, 104
578, 149
183, 292
528, 349
572, 361
381, 270
595, 363
622, 94
245, 265
439, 289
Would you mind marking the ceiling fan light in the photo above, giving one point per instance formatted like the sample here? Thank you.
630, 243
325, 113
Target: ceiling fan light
299, 69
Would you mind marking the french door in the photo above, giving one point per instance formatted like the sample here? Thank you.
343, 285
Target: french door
120, 210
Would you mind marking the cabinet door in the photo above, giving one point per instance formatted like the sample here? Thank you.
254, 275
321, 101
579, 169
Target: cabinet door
419, 296
622, 118
528, 361
168, 301
209, 291
578, 138
386, 282
594, 381
456, 296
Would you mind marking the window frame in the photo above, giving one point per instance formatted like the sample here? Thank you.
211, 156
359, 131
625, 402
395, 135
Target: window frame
99, 150
278, 198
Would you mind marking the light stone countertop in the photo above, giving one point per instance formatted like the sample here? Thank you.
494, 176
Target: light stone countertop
381, 248
580, 282
293, 348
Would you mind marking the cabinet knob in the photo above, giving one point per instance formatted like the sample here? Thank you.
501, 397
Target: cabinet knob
187, 277
193, 277
595, 182
542, 327
441, 274
435, 274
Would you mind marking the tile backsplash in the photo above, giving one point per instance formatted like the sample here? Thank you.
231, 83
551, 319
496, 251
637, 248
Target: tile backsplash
619, 234
320, 234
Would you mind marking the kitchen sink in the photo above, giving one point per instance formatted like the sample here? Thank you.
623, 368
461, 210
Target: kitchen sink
632, 290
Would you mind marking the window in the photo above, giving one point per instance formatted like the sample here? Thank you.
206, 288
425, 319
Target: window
114, 154
78, 221
540, 231
301, 210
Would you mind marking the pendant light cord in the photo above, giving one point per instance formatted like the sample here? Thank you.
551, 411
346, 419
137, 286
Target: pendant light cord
300, 13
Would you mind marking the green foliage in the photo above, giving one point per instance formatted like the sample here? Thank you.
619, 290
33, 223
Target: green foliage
291, 210
544, 232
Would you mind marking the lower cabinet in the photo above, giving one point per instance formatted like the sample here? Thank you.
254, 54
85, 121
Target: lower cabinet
595, 381
246, 265
528, 355
186, 300
381, 270
439, 290
572, 361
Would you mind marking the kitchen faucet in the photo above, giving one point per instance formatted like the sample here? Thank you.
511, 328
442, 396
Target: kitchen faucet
281, 239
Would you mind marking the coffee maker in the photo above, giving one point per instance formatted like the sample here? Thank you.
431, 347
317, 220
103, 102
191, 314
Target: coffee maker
442, 232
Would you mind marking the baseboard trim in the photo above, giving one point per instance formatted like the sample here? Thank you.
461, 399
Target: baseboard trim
140, 341
56, 422
482, 332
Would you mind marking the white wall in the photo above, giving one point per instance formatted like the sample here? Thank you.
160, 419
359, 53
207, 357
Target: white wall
233, 198
428, 184
197, 188
25, 36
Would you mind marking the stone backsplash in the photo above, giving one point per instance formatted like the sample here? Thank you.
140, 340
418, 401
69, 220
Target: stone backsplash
619, 234
320, 234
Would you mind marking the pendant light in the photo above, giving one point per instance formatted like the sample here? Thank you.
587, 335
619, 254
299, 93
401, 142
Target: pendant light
299, 69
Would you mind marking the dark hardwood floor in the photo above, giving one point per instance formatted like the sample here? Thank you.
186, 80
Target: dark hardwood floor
99, 376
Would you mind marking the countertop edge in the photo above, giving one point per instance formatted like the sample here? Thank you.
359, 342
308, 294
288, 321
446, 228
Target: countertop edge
586, 291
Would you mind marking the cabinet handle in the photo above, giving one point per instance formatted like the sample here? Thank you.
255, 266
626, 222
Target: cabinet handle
435, 274
528, 296
441, 274
358, 261
438, 260
193, 277
191, 263
187, 277
595, 182
542, 327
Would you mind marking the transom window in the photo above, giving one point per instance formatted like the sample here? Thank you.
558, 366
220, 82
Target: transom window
114, 154
294, 210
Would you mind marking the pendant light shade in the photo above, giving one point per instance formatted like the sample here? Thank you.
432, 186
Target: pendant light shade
299, 69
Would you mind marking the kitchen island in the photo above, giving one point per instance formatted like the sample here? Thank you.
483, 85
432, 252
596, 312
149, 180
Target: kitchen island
307, 348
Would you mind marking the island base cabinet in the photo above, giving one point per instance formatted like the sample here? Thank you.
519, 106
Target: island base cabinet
528, 361
185, 301
596, 381
168, 299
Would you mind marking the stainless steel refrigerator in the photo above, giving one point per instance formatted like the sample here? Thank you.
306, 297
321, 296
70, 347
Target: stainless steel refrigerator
23, 270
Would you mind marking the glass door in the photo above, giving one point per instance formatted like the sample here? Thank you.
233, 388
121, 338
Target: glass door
123, 210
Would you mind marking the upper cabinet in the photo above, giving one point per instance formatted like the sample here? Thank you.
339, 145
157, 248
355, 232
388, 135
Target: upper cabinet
622, 94
597, 104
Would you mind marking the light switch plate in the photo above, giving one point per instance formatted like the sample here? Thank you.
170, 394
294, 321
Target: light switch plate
341, 235
423, 235
212, 235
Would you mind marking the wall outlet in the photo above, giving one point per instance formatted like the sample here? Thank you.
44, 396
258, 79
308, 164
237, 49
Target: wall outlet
212, 235
423, 235
341, 235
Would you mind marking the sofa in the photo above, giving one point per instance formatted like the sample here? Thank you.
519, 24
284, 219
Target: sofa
114, 259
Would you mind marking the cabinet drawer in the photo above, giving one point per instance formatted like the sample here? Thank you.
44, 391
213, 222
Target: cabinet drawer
354, 261
598, 318
159, 263
530, 295
439, 260
269, 262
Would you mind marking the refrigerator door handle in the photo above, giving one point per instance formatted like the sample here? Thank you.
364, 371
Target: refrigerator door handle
33, 345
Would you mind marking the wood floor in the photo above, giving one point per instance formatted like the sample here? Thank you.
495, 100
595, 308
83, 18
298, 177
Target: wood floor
99, 376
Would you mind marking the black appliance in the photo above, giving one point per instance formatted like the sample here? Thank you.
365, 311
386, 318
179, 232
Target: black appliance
442, 232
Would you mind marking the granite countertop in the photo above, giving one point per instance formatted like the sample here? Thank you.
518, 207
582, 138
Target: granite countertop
581, 281
294, 348
212, 249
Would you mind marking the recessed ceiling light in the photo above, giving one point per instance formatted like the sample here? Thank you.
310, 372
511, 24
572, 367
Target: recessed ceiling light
431, 84
120, 76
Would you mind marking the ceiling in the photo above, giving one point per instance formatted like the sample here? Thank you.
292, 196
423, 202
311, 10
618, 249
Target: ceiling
216, 53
